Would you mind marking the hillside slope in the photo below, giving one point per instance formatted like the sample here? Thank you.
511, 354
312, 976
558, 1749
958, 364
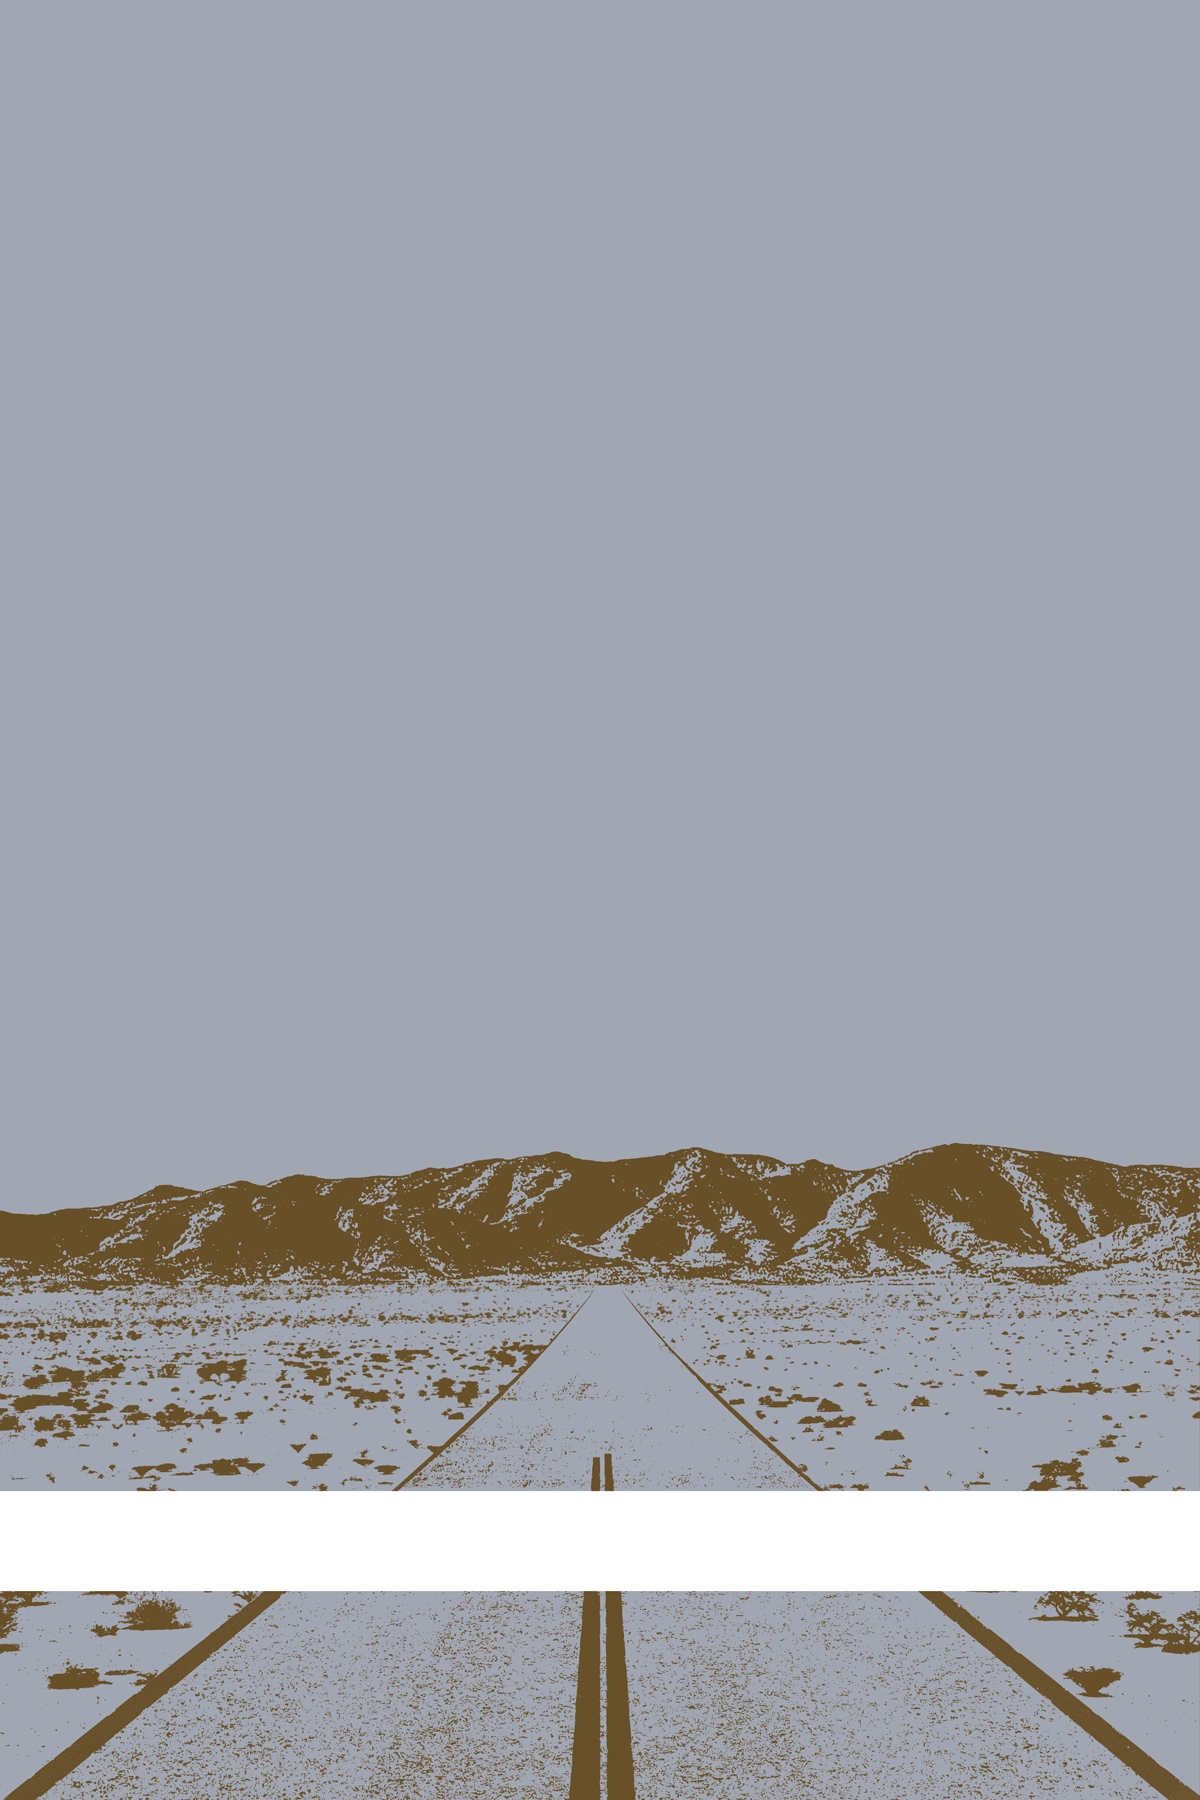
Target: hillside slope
958, 1206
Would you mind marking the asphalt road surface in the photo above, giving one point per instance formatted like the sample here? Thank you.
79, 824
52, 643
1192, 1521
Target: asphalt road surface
741, 1696
608, 1383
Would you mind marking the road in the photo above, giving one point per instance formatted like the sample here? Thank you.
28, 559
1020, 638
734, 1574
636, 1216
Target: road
608, 1382
737, 1696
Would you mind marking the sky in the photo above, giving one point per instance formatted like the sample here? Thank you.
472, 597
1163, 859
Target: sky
595, 580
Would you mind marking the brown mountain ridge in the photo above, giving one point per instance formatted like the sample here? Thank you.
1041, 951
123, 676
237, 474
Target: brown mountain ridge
977, 1208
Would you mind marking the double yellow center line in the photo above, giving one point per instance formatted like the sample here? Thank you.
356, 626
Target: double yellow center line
588, 1759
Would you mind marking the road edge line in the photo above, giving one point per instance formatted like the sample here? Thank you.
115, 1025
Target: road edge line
795, 1468
1114, 1741
114, 1722
505, 1390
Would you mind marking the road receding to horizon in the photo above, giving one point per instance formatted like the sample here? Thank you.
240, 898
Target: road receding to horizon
609, 1383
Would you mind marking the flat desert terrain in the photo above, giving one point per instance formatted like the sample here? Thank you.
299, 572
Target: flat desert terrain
916, 1381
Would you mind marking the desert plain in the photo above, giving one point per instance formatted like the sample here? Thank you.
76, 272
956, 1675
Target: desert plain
922, 1381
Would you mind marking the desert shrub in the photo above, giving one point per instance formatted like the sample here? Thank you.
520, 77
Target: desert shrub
1069, 1604
1051, 1472
244, 1596
154, 1612
74, 1677
1146, 1627
234, 1370
104, 1631
1092, 1680
1182, 1635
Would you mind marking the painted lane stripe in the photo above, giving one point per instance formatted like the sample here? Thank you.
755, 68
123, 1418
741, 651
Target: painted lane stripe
794, 1467
585, 1751
619, 1730
413, 1473
100, 1734
1113, 1740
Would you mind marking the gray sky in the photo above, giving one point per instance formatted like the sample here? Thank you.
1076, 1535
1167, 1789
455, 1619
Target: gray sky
595, 579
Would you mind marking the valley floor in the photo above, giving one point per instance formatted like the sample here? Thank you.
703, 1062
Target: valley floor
922, 1381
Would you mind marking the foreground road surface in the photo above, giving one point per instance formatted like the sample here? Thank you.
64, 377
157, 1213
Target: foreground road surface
357, 1695
736, 1696
841, 1695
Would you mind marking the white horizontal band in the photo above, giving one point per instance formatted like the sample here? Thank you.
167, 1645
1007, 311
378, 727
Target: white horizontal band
637, 1541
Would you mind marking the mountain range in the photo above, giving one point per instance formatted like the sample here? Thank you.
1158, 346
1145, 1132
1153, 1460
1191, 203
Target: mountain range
971, 1207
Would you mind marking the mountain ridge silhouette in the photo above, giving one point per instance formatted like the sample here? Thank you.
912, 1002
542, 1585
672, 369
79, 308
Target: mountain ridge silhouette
976, 1208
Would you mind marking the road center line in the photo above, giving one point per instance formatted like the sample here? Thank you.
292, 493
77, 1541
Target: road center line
619, 1731
585, 1751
